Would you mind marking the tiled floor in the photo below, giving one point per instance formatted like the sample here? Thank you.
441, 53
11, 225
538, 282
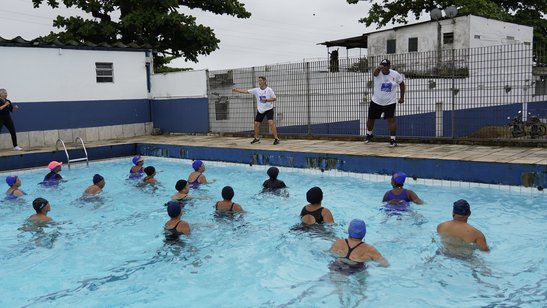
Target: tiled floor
518, 155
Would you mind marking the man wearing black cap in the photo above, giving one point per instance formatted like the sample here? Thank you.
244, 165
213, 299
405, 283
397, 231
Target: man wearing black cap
384, 99
460, 229
97, 187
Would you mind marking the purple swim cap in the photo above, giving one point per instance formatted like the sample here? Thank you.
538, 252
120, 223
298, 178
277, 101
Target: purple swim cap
10, 180
137, 159
197, 164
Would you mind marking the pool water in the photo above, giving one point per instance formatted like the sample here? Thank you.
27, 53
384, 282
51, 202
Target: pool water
111, 251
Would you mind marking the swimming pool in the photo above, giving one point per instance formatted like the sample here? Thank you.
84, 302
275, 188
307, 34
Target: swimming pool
111, 252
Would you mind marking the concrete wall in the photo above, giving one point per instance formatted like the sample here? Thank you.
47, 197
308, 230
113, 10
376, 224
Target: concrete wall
179, 102
58, 95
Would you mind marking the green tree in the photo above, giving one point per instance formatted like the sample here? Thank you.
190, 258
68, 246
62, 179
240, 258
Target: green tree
157, 24
530, 13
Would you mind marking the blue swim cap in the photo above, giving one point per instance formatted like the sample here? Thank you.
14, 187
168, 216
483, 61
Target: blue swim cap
97, 178
461, 207
10, 180
357, 229
173, 208
399, 178
197, 164
137, 159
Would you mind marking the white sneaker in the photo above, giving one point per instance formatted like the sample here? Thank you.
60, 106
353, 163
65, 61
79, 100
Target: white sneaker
17, 148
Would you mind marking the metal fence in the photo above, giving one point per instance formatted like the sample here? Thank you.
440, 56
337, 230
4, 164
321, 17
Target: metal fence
496, 92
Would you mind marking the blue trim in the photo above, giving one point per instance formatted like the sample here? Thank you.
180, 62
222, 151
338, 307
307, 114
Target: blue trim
481, 172
185, 115
80, 114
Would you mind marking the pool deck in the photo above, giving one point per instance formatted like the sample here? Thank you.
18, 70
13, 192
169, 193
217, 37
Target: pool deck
477, 153
508, 156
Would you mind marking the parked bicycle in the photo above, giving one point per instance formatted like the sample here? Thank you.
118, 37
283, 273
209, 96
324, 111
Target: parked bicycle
532, 127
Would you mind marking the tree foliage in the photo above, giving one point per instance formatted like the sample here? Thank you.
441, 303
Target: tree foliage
158, 24
530, 13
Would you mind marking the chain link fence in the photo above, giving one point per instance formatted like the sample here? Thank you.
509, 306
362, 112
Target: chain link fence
496, 92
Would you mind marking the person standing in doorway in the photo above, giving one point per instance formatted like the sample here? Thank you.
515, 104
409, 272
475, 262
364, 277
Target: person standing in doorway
265, 97
5, 119
384, 99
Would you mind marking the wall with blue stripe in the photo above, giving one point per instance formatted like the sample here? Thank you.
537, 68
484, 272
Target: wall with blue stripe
184, 115
38, 116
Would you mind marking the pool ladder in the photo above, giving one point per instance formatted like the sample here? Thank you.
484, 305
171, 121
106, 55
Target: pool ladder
66, 152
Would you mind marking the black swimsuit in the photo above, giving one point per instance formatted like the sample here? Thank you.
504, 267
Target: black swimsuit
316, 214
173, 234
350, 249
231, 207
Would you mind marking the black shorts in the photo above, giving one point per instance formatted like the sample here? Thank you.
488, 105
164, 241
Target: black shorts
268, 114
375, 111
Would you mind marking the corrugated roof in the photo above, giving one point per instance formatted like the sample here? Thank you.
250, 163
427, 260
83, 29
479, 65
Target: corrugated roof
42, 43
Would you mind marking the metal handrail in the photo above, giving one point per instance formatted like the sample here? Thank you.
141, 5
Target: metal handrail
86, 158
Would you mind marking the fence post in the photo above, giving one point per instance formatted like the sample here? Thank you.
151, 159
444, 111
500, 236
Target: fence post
438, 119
308, 96
453, 124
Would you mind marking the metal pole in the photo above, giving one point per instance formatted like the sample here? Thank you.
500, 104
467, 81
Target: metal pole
453, 95
308, 98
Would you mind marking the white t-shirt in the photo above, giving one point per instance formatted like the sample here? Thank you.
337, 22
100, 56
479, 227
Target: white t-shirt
385, 88
266, 93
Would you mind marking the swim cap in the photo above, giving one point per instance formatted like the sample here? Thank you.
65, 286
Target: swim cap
227, 193
54, 164
173, 209
314, 195
180, 185
39, 203
197, 164
357, 229
399, 178
97, 178
10, 180
149, 170
385, 62
273, 172
461, 207
137, 159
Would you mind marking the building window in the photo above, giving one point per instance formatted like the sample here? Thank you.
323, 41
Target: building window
448, 38
104, 72
391, 46
412, 44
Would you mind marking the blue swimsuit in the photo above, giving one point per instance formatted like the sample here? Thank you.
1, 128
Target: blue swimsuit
136, 175
195, 183
403, 196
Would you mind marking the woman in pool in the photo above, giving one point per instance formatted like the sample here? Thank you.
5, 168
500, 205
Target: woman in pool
137, 170
13, 191
41, 206
150, 173
182, 191
313, 212
196, 177
226, 205
399, 194
353, 252
53, 177
175, 227
97, 187
273, 184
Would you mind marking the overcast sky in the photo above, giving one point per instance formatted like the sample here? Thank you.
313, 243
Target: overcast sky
279, 31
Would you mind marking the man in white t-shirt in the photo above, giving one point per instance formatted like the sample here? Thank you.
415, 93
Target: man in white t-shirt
265, 97
384, 99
